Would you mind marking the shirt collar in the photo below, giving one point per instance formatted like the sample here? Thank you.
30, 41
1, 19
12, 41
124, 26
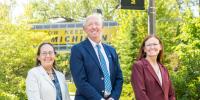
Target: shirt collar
94, 43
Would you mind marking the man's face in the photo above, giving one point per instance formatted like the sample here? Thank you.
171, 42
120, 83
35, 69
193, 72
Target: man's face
93, 28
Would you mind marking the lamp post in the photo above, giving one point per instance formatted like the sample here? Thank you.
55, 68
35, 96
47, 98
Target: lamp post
151, 18
139, 5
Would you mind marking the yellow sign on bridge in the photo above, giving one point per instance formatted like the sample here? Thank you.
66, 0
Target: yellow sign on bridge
65, 35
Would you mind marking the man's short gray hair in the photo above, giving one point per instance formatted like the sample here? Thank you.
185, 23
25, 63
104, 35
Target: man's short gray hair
99, 16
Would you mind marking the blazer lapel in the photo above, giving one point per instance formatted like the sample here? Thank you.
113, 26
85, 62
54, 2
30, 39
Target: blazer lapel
45, 76
151, 70
62, 87
164, 77
90, 49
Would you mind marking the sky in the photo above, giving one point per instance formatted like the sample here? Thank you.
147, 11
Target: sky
18, 9
195, 10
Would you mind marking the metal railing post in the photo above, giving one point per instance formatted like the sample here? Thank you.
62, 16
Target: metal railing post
151, 17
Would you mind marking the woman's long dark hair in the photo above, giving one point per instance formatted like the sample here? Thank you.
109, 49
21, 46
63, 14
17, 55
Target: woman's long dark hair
142, 54
38, 63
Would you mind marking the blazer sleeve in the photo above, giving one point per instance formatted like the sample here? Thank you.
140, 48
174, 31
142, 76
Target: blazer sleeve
118, 82
32, 86
137, 81
79, 75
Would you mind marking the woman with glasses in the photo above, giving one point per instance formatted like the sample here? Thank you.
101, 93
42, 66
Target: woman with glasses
44, 82
150, 79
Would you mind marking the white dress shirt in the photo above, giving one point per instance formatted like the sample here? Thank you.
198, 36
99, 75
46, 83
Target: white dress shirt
102, 51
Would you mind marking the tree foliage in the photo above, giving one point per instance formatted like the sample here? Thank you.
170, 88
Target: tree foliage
188, 50
40, 11
17, 53
17, 57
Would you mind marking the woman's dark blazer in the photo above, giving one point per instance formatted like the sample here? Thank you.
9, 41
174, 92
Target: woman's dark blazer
146, 84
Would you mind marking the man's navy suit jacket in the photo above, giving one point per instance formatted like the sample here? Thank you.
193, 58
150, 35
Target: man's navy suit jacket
87, 74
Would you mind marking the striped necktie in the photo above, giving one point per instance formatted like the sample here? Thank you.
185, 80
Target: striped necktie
107, 82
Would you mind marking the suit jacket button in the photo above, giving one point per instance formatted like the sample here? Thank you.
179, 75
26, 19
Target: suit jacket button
102, 78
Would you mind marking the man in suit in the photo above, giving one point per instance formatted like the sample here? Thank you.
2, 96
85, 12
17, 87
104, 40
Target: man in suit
94, 65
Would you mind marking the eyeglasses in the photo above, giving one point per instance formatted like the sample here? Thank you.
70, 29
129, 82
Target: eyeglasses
152, 44
95, 23
46, 53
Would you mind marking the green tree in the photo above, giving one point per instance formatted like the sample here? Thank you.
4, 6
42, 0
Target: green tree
17, 53
188, 50
41, 11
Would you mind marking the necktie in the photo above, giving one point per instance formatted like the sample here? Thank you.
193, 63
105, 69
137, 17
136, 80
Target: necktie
107, 82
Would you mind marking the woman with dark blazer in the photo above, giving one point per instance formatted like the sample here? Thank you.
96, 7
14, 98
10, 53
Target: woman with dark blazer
150, 79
